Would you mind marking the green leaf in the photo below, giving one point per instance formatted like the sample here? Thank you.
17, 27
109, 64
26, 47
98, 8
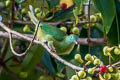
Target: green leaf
113, 33
70, 72
62, 15
52, 3
108, 11
19, 1
46, 59
32, 59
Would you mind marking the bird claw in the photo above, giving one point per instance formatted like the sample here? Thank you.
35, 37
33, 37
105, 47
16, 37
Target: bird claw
53, 50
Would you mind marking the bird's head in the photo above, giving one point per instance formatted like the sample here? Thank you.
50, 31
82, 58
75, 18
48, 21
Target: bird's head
72, 38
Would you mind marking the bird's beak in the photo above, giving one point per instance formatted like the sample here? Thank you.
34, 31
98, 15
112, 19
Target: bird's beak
75, 42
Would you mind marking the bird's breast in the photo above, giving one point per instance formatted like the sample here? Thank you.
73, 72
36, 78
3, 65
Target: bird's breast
64, 49
40, 35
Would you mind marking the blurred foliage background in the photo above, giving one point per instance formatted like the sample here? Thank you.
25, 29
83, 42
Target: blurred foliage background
38, 64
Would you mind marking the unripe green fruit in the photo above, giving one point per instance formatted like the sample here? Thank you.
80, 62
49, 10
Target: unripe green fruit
110, 69
37, 10
117, 75
93, 18
26, 29
24, 11
106, 50
38, 15
88, 57
107, 76
75, 30
117, 51
98, 15
74, 77
81, 74
91, 70
23, 74
97, 62
92, 24
7, 3
78, 58
92, 59
85, 26
64, 29
88, 78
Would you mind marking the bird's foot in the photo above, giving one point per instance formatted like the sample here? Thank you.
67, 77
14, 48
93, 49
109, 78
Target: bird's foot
53, 50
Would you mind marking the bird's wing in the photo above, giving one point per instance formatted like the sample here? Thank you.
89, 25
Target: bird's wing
55, 32
32, 15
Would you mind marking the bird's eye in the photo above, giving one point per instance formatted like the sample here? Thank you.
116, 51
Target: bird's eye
71, 37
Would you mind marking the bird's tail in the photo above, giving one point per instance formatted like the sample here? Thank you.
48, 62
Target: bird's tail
32, 15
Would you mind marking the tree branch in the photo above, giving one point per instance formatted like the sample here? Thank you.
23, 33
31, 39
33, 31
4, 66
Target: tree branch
24, 37
55, 23
82, 41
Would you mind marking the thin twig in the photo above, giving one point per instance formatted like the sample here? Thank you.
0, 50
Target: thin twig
56, 23
89, 28
21, 54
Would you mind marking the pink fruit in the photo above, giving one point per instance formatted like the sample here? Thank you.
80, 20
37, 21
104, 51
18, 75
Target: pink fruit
103, 69
63, 6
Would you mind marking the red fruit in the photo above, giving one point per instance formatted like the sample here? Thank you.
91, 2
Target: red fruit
103, 69
63, 6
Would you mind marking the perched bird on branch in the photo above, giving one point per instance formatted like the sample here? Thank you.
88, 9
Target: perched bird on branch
56, 40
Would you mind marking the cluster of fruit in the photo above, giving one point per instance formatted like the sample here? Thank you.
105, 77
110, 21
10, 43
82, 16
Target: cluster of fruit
109, 73
107, 50
105, 73
74, 30
93, 20
39, 13
89, 59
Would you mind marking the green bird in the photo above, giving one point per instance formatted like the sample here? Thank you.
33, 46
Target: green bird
56, 40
